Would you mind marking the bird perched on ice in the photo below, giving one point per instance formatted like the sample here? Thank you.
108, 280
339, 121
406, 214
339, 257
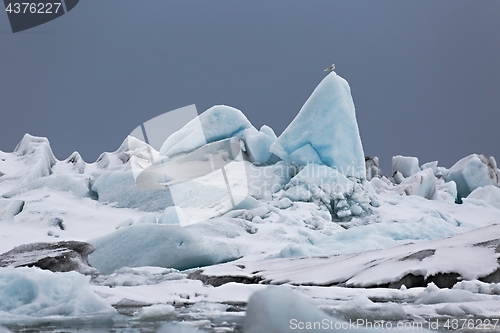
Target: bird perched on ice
330, 68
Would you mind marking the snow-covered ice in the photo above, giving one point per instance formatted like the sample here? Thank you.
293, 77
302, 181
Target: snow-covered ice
489, 194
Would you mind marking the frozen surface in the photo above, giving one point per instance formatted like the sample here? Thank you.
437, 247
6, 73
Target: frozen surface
77, 186
325, 131
178, 328
471, 255
119, 188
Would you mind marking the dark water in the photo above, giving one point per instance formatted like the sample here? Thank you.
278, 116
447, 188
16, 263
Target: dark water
127, 322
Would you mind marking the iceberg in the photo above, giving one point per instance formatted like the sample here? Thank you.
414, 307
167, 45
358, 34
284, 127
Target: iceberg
362, 307
280, 310
433, 295
325, 131
169, 246
472, 172
372, 168
218, 123
421, 183
37, 154
344, 197
31, 293
478, 287
407, 166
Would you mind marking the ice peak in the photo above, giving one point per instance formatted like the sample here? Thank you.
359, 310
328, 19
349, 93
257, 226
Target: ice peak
38, 154
325, 131
30, 144
77, 162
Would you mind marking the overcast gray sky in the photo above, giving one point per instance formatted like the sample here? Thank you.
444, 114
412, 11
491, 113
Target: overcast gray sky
425, 75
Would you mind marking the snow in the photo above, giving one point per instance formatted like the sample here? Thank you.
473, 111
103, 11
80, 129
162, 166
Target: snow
119, 188
56, 257
77, 186
489, 194
325, 131
407, 166
38, 155
30, 293
459, 254
10, 208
